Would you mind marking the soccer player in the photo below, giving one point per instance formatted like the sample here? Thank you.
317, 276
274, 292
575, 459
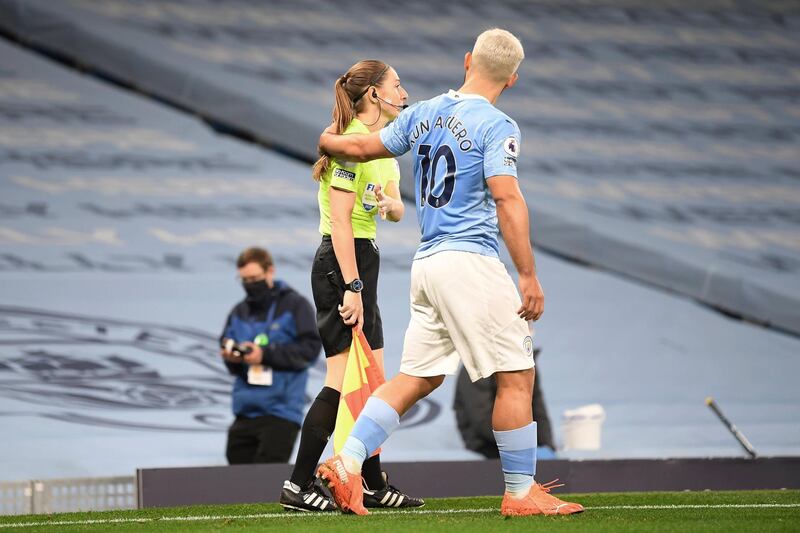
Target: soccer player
463, 301
344, 276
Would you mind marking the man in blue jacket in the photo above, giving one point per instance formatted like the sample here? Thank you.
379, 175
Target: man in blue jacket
269, 341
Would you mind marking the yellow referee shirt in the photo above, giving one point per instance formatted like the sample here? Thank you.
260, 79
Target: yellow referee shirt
360, 178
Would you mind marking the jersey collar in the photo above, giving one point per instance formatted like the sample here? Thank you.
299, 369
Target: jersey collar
465, 96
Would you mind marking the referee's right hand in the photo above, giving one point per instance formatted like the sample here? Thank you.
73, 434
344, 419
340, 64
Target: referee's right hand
352, 309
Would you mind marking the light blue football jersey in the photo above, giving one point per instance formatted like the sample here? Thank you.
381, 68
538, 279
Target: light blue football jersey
458, 141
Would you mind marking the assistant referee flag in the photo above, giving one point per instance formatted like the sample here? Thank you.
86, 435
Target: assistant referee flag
361, 377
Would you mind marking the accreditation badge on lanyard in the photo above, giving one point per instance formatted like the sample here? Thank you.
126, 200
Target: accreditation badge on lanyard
261, 375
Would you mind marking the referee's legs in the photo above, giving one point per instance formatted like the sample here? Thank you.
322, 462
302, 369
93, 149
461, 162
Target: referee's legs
319, 422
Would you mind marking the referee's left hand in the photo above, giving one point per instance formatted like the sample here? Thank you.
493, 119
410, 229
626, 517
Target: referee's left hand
385, 203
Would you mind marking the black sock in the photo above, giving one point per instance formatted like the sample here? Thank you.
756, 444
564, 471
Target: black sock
371, 472
317, 428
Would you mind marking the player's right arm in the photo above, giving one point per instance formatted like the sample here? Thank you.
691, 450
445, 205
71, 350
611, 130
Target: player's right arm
512, 214
358, 147
391, 141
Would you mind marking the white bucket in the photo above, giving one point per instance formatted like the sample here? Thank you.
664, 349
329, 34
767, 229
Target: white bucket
580, 427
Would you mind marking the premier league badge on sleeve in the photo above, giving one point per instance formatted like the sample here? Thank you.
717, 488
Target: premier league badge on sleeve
511, 146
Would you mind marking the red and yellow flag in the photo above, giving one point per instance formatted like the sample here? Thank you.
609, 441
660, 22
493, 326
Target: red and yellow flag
361, 377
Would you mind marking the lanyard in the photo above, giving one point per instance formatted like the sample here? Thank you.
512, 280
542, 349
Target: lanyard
271, 312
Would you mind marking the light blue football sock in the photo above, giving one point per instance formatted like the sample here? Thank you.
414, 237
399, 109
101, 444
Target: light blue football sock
376, 422
518, 457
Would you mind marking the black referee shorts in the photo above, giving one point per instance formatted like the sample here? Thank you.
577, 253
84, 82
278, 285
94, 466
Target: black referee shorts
327, 286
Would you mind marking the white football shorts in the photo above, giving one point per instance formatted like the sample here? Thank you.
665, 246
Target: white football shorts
464, 306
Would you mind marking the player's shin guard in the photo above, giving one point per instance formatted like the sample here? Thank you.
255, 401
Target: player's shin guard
376, 422
518, 458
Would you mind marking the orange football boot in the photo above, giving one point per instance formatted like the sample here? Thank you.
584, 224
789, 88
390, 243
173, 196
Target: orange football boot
538, 501
345, 486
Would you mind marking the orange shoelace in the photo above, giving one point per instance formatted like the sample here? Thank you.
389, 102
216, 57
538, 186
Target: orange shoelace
546, 487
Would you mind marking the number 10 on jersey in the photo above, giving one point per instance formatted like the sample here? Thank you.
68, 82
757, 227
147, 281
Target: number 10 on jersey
427, 182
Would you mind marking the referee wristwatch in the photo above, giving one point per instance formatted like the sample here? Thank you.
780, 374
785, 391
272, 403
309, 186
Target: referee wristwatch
355, 286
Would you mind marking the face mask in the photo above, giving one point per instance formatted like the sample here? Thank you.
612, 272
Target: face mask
256, 290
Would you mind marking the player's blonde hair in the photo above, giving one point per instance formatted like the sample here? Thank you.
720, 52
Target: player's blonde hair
497, 54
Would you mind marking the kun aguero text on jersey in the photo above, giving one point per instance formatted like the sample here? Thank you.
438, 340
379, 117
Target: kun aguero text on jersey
452, 124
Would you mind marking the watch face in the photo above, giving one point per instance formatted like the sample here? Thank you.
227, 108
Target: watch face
357, 285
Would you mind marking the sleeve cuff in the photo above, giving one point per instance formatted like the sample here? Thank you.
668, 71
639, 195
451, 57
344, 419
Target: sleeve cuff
500, 172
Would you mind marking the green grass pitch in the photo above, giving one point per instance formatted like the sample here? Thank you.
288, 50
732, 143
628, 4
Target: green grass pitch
618, 512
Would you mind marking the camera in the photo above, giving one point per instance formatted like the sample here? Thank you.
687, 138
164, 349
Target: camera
238, 350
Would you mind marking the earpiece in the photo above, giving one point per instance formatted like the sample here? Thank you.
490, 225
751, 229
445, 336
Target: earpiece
375, 95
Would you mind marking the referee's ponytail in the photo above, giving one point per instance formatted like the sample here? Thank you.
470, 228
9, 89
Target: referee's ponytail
348, 91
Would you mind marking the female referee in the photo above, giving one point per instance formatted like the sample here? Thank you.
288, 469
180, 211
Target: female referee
344, 276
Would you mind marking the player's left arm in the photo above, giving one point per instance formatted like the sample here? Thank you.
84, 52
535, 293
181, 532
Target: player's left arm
360, 147
501, 151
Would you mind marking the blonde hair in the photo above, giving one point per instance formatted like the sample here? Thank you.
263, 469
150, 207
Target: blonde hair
497, 53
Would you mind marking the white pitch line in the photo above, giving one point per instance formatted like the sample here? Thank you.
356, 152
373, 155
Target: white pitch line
700, 506
203, 518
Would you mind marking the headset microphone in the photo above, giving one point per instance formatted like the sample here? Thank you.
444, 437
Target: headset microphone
403, 106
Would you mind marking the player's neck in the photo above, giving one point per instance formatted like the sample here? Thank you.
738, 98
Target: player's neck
368, 119
489, 90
